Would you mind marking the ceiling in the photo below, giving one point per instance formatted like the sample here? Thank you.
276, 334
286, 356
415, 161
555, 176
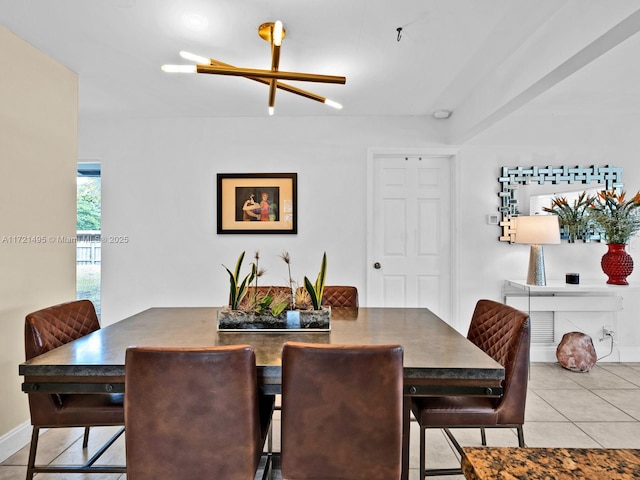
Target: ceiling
481, 59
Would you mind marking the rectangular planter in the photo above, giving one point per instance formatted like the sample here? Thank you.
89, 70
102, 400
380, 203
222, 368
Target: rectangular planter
289, 320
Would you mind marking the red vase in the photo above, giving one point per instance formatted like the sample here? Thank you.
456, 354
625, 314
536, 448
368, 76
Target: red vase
617, 264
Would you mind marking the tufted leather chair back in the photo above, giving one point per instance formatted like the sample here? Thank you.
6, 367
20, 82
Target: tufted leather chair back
54, 326
340, 296
193, 413
504, 333
333, 295
341, 411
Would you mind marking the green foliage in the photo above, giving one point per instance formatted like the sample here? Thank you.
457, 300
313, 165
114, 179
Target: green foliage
617, 218
88, 284
237, 291
278, 307
263, 305
317, 289
277, 302
88, 204
573, 219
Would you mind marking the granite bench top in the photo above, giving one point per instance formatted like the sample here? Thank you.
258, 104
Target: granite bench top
512, 463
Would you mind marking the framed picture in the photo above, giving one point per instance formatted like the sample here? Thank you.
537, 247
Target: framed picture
257, 203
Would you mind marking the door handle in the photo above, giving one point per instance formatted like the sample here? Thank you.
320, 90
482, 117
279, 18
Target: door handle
377, 265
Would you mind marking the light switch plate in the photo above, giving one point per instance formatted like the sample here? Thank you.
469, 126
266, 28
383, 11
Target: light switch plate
492, 219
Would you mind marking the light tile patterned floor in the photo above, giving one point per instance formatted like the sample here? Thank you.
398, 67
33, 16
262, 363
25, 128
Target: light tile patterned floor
600, 408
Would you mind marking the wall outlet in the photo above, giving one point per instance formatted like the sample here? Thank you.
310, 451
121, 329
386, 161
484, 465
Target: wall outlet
607, 332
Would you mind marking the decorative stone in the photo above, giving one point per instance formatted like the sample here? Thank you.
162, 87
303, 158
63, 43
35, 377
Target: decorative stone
576, 352
287, 320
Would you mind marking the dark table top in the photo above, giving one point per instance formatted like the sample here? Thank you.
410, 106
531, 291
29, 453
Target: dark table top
434, 353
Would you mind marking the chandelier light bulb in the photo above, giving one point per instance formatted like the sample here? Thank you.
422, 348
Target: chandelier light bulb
271, 110
333, 104
179, 68
277, 33
195, 58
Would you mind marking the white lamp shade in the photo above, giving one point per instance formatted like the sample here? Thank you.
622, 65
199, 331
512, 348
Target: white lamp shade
537, 229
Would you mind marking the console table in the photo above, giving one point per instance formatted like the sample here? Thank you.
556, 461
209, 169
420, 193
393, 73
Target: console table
558, 308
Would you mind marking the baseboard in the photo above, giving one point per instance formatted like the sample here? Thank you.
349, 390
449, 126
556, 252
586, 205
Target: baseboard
543, 353
14, 440
547, 354
629, 355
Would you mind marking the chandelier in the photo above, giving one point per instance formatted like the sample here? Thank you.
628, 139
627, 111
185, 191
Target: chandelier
274, 33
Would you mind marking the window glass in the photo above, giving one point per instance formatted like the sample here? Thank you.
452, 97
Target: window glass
88, 254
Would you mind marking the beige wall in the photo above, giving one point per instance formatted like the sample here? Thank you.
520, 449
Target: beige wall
38, 156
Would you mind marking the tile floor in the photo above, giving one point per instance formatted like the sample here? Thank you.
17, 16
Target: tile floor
600, 408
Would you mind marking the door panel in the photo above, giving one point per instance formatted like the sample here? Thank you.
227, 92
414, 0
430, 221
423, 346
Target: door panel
394, 214
429, 227
394, 287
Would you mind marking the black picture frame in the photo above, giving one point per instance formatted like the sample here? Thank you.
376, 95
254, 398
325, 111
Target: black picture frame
256, 203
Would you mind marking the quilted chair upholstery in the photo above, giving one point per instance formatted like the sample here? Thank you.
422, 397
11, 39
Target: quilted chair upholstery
337, 422
333, 295
340, 296
503, 333
54, 326
194, 413
45, 330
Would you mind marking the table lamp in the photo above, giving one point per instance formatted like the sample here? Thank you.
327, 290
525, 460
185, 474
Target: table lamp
537, 230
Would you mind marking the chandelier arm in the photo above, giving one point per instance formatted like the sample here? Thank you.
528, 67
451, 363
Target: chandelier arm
298, 91
280, 75
272, 92
275, 63
282, 86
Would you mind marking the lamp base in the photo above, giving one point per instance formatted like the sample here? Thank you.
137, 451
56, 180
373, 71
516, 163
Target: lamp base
536, 274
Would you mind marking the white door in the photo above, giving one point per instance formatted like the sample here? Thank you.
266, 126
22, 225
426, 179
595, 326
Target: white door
409, 229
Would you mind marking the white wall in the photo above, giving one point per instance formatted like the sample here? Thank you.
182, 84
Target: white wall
38, 145
159, 190
530, 139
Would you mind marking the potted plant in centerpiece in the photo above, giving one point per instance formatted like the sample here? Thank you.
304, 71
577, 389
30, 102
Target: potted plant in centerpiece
316, 289
268, 308
618, 220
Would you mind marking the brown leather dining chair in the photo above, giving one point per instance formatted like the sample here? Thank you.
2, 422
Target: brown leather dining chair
340, 296
194, 413
341, 411
503, 333
45, 330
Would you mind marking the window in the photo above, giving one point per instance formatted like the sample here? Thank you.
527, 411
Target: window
88, 254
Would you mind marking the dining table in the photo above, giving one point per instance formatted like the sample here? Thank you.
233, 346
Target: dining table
438, 360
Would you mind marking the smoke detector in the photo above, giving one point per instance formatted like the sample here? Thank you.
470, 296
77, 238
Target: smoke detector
441, 114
